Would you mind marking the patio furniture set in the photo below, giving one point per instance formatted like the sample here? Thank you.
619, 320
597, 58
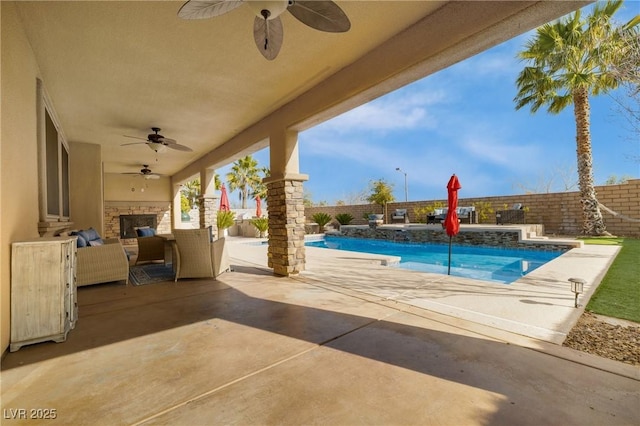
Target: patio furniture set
192, 252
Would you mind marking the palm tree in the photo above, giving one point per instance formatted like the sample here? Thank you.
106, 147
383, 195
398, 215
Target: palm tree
244, 177
260, 190
571, 59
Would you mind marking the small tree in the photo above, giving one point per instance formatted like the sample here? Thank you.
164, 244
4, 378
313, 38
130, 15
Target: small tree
381, 194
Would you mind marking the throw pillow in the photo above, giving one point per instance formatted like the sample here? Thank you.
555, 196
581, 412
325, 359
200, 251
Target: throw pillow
80, 241
89, 234
95, 243
145, 232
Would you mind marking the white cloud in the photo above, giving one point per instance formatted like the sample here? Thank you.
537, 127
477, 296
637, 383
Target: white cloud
396, 111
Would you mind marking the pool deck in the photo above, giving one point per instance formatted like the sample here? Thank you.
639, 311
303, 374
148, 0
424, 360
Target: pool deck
539, 305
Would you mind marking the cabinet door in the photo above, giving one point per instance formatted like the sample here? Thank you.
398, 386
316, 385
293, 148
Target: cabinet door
37, 296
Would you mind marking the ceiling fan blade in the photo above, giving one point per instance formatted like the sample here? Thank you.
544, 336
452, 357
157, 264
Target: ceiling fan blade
178, 147
197, 9
166, 140
133, 143
135, 137
321, 15
268, 34
152, 176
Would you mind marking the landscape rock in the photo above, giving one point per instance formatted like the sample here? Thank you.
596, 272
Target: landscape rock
599, 336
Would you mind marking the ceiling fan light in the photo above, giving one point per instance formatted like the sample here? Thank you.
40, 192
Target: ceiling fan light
274, 7
157, 147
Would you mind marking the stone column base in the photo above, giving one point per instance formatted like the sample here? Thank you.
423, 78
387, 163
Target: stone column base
286, 253
208, 212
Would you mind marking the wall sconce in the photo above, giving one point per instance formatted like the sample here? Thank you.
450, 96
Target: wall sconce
577, 286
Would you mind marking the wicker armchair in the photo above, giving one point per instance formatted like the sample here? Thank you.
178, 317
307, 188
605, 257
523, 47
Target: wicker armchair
197, 256
150, 248
101, 264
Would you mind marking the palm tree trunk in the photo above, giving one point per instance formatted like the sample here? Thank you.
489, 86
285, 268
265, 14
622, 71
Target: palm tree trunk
592, 222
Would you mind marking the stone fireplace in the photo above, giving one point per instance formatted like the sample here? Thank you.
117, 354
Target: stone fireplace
156, 214
129, 223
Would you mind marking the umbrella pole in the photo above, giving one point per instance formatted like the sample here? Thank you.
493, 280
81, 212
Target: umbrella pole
449, 264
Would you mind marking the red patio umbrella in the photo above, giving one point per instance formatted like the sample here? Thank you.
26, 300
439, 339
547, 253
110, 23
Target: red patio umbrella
224, 199
258, 206
451, 222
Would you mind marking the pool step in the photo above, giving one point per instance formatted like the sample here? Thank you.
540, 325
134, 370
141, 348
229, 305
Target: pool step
533, 236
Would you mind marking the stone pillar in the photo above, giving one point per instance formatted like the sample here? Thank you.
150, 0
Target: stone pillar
208, 200
286, 254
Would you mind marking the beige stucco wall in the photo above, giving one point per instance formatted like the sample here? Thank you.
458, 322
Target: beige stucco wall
86, 203
118, 187
18, 147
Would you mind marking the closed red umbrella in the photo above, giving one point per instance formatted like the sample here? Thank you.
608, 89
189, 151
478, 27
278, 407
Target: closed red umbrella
258, 206
451, 222
224, 199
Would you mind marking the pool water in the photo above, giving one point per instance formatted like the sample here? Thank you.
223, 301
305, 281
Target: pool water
481, 263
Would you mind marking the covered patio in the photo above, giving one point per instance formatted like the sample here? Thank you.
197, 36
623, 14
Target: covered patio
79, 77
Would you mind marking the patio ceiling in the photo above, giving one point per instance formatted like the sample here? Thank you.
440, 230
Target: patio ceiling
119, 68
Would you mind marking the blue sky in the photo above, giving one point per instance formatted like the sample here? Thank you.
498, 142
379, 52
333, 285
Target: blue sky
462, 120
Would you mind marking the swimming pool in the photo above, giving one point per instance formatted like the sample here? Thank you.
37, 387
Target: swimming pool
481, 263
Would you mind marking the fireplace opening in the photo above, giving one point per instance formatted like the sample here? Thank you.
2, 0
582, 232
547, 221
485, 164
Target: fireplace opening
129, 223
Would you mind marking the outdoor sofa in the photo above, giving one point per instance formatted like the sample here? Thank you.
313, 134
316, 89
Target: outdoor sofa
99, 261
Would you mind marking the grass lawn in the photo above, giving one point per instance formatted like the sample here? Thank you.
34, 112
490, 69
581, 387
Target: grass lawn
619, 293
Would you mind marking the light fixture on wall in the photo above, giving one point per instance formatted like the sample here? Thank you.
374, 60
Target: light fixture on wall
142, 188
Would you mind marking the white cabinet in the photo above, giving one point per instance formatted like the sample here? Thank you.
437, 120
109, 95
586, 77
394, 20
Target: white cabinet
43, 290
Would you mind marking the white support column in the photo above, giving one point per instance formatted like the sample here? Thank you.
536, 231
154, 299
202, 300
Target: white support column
176, 210
208, 199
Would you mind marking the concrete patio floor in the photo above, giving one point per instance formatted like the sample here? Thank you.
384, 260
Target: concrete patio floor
347, 342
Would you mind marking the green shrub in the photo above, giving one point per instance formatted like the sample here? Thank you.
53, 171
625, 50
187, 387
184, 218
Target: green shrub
483, 209
321, 219
185, 206
225, 219
261, 224
422, 212
344, 218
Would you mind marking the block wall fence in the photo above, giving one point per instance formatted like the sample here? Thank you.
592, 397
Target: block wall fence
559, 212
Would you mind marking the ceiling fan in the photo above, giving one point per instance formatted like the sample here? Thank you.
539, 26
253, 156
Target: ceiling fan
146, 172
267, 27
158, 143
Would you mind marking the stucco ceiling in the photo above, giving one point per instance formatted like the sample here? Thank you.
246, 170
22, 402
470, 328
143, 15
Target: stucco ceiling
119, 68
